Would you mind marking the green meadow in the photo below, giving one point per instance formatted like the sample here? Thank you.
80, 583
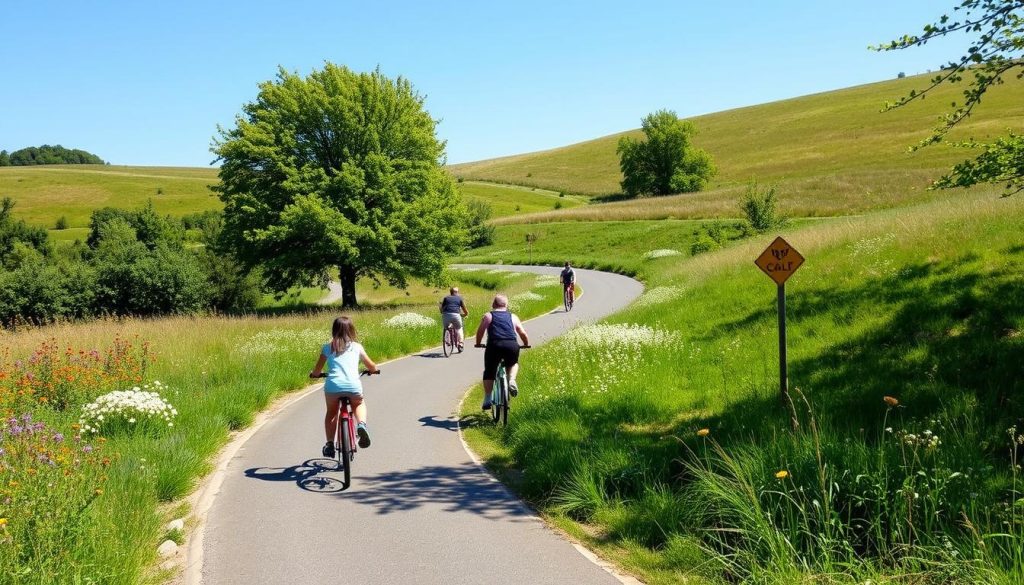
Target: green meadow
511, 201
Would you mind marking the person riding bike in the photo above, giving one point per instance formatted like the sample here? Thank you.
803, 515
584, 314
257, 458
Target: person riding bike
569, 281
453, 309
501, 326
342, 355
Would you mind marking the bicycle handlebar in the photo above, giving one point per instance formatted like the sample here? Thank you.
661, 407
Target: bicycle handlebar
362, 373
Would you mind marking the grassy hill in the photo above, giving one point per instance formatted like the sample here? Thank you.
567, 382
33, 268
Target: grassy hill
831, 153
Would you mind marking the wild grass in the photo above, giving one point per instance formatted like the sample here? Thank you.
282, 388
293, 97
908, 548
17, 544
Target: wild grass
218, 372
830, 153
923, 305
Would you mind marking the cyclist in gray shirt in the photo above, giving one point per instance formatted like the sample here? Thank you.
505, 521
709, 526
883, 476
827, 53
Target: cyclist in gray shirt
453, 309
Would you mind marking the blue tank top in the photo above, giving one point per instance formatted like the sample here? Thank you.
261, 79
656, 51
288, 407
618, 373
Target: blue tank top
501, 327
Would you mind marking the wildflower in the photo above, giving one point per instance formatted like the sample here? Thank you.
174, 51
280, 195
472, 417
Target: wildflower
3, 522
781, 474
99, 492
703, 432
409, 321
891, 401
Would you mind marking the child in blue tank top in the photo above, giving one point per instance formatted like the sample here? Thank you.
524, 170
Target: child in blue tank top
342, 356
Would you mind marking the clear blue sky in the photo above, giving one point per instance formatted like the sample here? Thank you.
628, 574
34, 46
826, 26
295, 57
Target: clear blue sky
145, 83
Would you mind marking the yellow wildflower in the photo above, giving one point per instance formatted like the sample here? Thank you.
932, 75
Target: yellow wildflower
782, 474
703, 432
891, 401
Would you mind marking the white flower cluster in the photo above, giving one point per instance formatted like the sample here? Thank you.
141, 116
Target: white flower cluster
526, 296
128, 408
628, 335
872, 246
547, 281
658, 295
926, 439
662, 253
500, 272
500, 252
275, 340
409, 321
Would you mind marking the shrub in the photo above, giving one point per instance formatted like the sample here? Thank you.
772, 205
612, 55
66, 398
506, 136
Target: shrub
702, 244
761, 208
481, 233
62, 223
558, 204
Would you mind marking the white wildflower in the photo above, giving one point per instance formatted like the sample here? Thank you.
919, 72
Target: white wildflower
658, 295
662, 253
409, 321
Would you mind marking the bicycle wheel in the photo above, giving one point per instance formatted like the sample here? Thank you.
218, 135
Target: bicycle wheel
503, 411
566, 300
448, 341
345, 452
498, 394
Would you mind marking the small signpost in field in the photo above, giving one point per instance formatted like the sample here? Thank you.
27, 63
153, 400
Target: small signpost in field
779, 261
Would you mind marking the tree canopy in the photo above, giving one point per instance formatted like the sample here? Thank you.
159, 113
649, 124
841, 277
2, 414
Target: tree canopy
666, 162
48, 155
996, 50
338, 170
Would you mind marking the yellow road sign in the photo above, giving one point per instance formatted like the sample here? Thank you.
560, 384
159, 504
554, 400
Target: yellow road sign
779, 260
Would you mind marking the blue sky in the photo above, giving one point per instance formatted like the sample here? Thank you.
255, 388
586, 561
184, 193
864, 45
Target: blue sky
147, 83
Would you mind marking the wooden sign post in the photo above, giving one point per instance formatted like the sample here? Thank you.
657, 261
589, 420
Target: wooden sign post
779, 261
530, 239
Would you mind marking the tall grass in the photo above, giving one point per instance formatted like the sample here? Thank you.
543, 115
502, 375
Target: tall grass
218, 373
923, 305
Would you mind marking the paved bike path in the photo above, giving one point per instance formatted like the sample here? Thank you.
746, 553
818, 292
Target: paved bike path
418, 510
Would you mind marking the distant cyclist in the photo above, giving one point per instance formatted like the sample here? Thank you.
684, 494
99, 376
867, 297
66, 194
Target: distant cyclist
501, 327
453, 309
569, 281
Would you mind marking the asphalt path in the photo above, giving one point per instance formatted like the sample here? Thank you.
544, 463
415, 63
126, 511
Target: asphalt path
419, 510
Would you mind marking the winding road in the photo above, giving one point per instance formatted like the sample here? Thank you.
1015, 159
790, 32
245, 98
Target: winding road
419, 509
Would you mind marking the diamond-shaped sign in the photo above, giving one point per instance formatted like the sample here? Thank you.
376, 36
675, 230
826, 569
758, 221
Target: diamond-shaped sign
779, 260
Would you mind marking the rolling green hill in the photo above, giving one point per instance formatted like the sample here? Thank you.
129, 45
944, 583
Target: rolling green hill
831, 153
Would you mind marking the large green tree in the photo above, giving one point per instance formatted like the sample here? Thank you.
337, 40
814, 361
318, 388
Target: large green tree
338, 170
996, 50
666, 162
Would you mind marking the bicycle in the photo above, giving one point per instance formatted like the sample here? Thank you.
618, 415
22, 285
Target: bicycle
500, 396
345, 439
567, 298
450, 340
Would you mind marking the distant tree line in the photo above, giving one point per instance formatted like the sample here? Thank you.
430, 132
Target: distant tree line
48, 155
134, 262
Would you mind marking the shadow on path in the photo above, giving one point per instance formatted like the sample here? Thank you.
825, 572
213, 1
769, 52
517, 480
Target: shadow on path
459, 488
450, 423
308, 475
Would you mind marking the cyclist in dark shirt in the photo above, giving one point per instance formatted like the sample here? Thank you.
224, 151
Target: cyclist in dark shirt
453, 309
569, 281
501, 327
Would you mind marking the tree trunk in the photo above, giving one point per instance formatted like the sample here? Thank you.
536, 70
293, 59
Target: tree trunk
347, 275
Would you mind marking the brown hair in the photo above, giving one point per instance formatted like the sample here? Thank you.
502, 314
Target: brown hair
343, 332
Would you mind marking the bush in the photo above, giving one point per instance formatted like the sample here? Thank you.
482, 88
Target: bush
481, 233
558, 204
703, 243
62, 223
761, 208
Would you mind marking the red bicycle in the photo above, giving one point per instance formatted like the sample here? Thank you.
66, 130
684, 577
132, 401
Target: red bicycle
345, 439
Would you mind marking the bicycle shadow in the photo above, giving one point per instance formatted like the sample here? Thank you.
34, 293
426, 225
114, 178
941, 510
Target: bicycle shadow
308, 475
450, 423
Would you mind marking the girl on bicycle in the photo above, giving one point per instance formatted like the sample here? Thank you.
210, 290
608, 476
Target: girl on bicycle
501, 327
342, 356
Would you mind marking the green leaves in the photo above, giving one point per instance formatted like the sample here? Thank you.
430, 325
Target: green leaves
666, 162
997, 49
338, 170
